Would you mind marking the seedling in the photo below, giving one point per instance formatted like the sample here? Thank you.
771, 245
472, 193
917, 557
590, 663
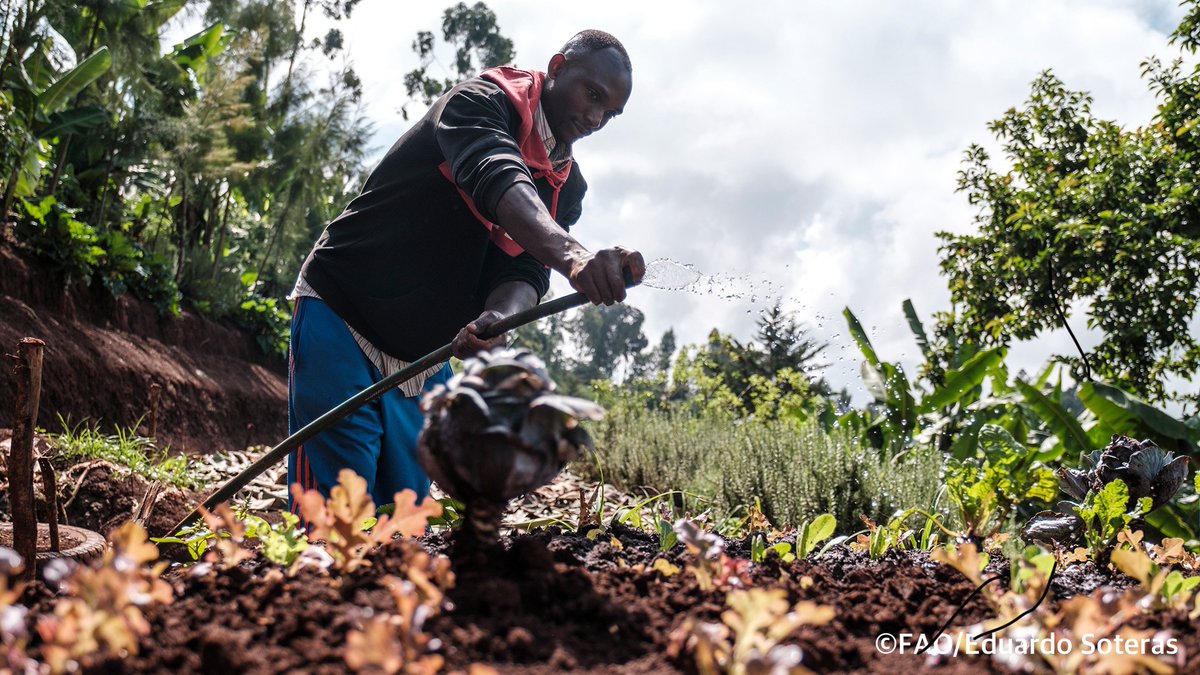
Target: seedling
339, 521
392, 643
1104, 515
282, 542
810, 535
105, 610
1165, 588
747, 640
713, 568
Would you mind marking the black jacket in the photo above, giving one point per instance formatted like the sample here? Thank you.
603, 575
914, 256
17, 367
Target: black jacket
408, 263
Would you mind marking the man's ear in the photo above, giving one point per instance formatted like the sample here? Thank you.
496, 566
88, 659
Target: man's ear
556, 65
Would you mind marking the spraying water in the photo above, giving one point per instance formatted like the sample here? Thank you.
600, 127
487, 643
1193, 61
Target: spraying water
668, 275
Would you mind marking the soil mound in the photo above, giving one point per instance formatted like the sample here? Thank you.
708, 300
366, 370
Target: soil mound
219, 391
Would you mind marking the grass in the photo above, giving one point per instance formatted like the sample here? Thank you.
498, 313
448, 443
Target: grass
796, 471
124, 448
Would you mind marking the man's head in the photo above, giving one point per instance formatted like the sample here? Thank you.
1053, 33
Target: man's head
588, 83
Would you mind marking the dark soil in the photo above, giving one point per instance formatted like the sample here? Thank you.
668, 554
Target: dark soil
553, 602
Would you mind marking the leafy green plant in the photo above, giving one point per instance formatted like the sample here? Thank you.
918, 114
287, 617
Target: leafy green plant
281, 543
879, 539
1106, 513
267, 318
986, 491
124, 448
759, 548
812, 533
896, 533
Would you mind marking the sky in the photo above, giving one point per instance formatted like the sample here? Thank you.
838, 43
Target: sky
798, 150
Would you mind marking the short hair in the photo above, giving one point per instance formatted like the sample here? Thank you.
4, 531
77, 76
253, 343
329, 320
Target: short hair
587, 41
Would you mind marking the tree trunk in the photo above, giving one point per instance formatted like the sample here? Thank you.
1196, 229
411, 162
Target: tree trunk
218, 251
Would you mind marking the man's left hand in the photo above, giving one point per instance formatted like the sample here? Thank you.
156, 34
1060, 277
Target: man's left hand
468, 343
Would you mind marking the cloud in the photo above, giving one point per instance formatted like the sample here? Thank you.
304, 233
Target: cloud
804, 149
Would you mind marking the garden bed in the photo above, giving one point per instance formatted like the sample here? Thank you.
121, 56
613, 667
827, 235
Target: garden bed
554, 601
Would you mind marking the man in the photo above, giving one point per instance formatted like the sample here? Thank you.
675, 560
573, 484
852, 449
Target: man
457, 227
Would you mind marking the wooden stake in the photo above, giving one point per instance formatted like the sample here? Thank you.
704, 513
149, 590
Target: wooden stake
28, 374
155, 393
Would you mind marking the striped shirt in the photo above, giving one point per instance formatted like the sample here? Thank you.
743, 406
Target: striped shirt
559, 153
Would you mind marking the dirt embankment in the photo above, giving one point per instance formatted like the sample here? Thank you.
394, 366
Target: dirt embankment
219, 392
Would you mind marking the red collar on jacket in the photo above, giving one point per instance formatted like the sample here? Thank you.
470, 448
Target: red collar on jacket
524, 89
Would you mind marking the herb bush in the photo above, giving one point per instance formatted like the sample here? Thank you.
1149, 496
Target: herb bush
796, 471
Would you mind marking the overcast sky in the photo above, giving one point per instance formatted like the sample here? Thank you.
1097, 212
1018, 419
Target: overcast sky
806, 150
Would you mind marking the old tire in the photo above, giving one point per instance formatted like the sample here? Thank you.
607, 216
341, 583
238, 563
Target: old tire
78, 544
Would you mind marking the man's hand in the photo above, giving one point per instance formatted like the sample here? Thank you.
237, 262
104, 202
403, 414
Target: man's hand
600, 275
468, 343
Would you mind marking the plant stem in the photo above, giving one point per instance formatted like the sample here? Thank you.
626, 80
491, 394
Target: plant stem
1062, 317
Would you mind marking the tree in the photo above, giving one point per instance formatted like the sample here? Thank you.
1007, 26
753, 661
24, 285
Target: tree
477, 42
608, 340
784, 343
1090, 213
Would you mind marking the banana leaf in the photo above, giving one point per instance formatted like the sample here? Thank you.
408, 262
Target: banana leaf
1128, 415
1169, 524
966, 379
918, 329
860, 336
1062, 423
74, 80
73, 121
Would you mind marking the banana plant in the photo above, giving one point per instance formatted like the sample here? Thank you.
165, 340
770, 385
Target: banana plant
949, 405
1122, 413
39, 112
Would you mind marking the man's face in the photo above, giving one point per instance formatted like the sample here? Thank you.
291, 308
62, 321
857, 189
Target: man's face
584, 92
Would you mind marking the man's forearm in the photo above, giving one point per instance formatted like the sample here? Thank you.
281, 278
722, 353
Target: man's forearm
523, 216
511, 297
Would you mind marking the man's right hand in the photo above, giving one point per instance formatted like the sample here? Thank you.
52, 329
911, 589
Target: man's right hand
600, 275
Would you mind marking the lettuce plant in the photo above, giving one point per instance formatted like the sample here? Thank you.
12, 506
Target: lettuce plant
1148, 478
496, 431
347, 520
747, 641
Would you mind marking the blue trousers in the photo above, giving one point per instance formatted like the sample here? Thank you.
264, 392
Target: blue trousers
378, 441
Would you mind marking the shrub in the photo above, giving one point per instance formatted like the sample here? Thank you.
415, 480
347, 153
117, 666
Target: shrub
796, 471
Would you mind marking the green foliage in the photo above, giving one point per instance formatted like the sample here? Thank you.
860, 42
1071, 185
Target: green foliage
797, 471
1105, 515
986, 491
269, 319
123, 448
52, 232
1093, 212
477, 43
1119, 412
282, 542
813, 533
171, 175
1032, 564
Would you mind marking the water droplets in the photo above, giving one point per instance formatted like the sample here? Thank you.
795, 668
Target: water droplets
669, 275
